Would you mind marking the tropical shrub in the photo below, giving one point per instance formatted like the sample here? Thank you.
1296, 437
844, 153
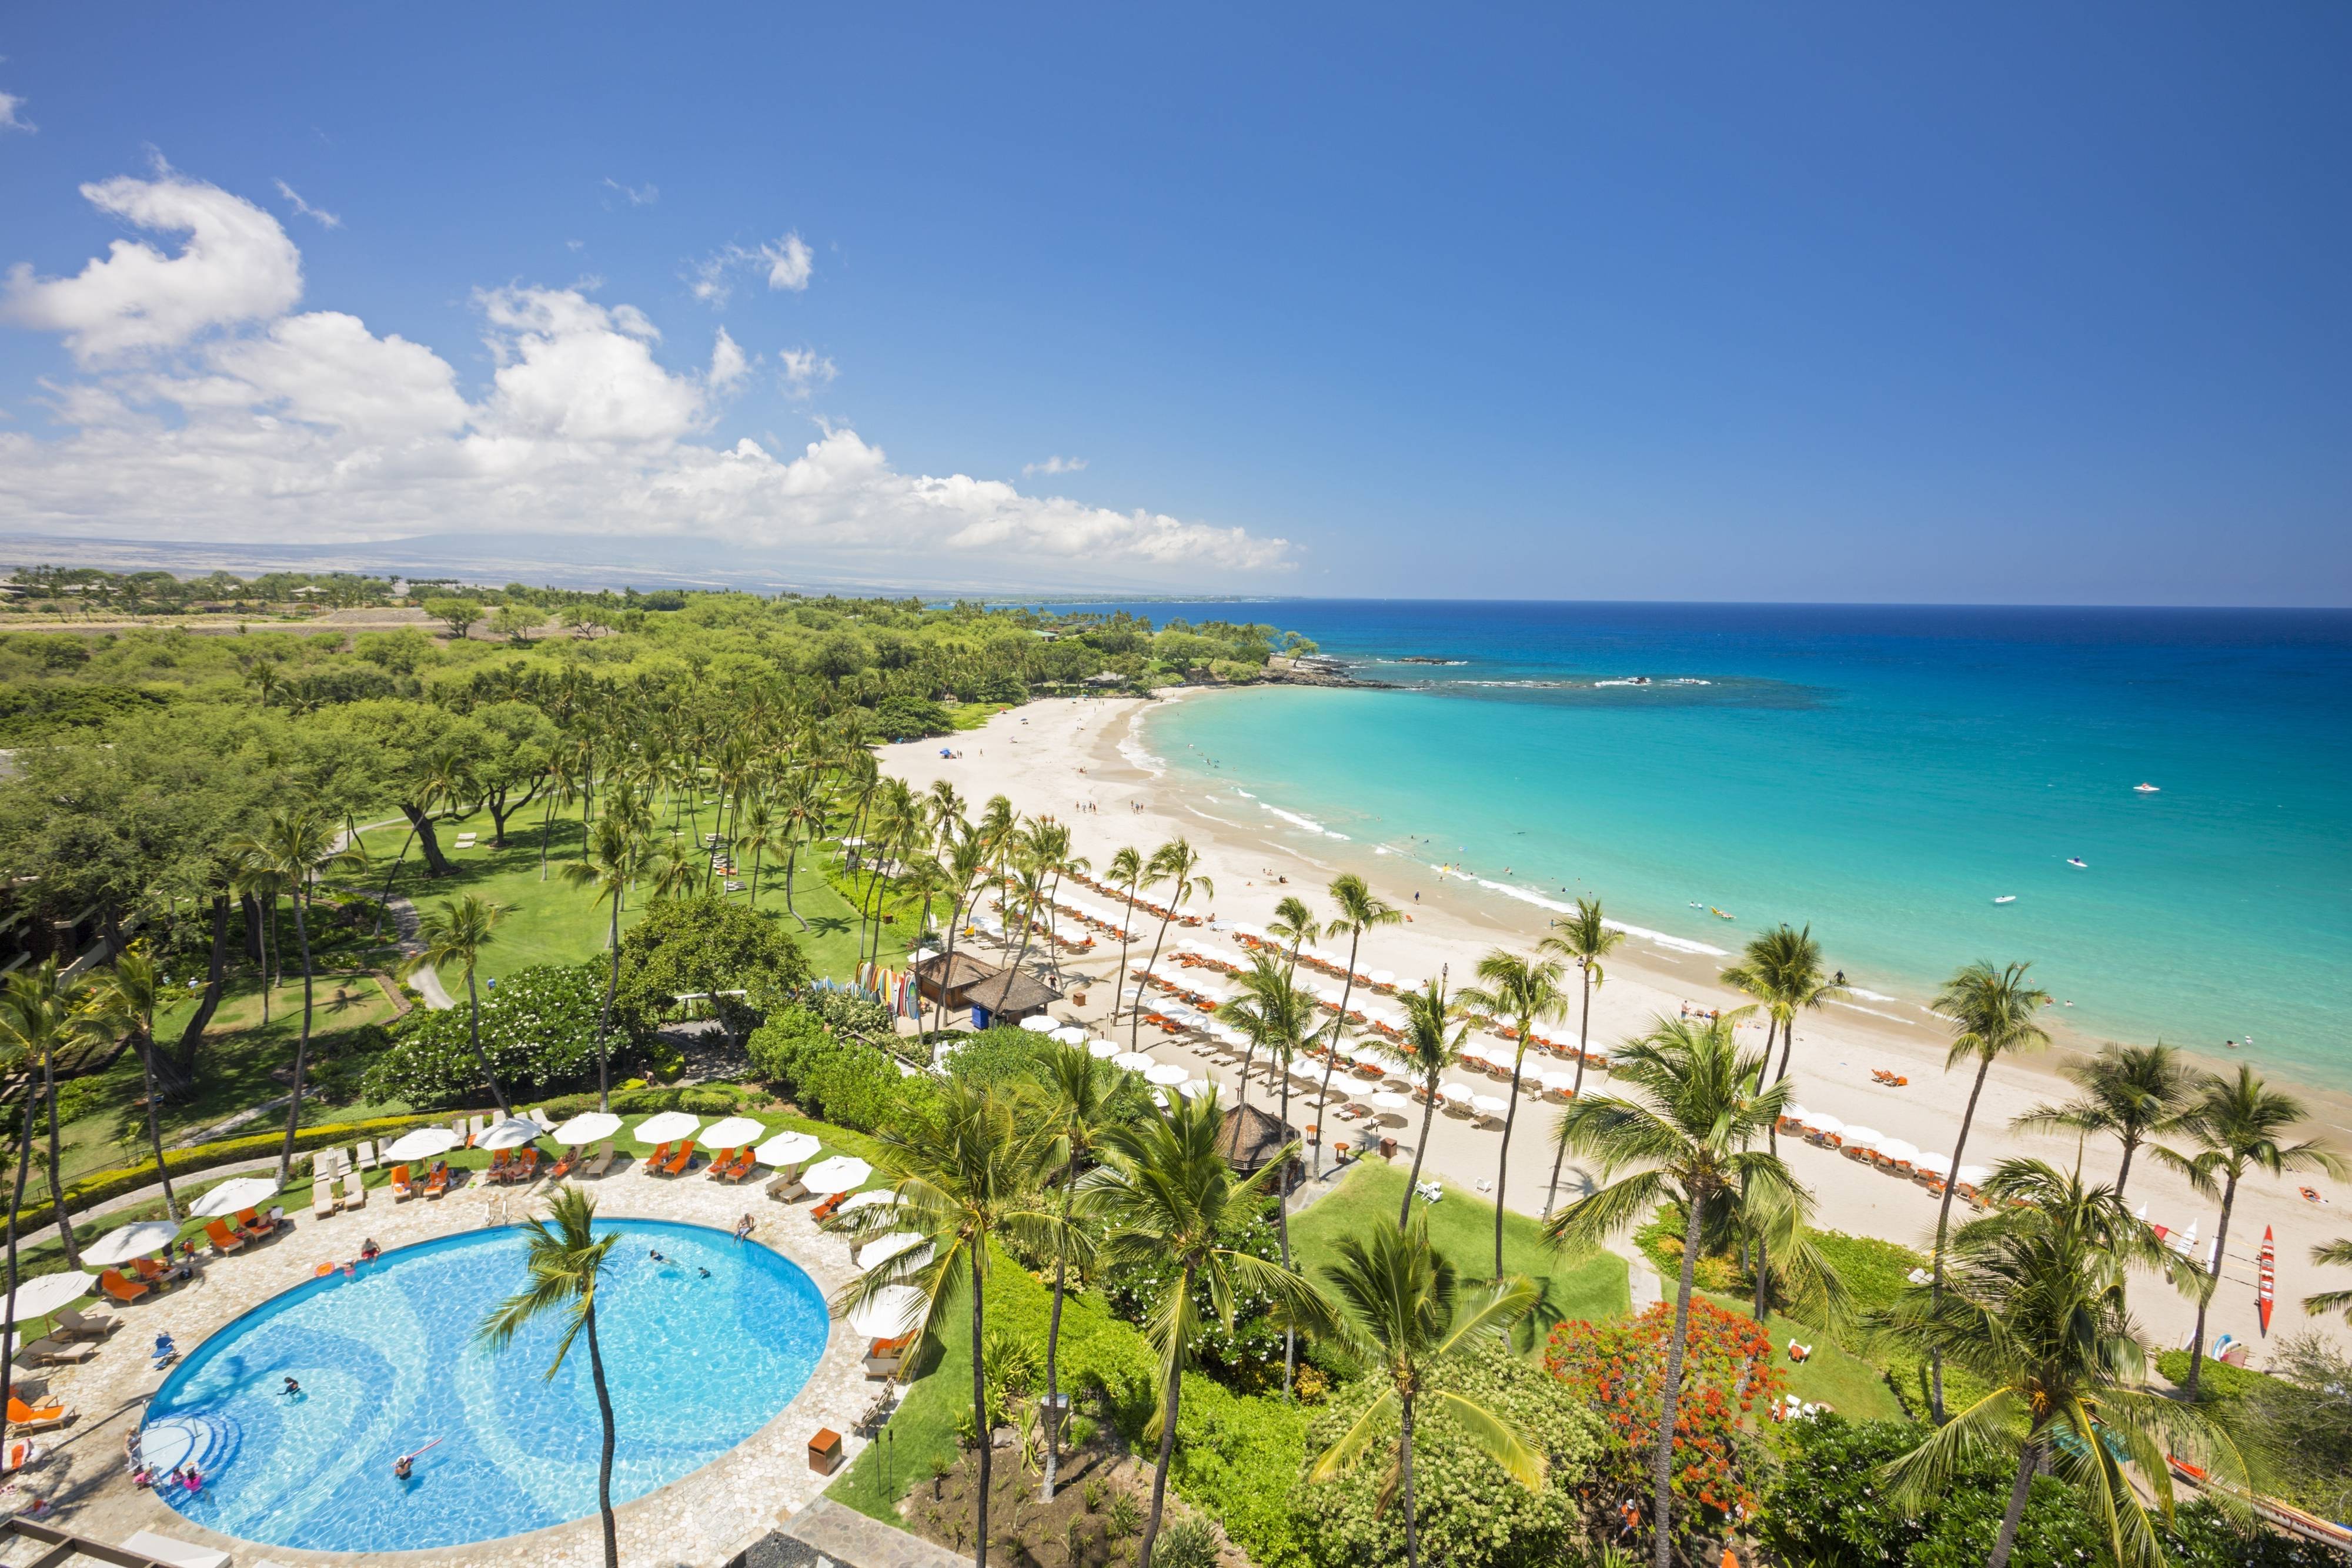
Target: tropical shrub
1831, 1505
539, 1029
995, 1056
1728, 1371
96, 1187
1471, 1514
1237, 1456
705, 946
909, 717
1249, 1354
847, 1010
839, 1079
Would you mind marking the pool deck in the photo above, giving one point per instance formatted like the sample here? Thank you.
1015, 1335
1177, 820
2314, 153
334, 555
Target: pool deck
705, 1518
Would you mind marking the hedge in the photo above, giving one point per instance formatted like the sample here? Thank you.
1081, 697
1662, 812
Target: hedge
98, 1186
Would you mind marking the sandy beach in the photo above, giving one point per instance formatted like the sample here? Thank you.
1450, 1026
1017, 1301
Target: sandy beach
1079, 761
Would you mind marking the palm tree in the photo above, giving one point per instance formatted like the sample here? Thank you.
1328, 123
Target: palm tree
1584, 939
802, 804
297, 844
2034, 1305
2335, 1254
615, 854
1703, 1108
456, 933
566, 1259
121, 1001
1126, 870
1165, 1196
1029, 883
967, 863
960, 1176
1079, 1093
1782, 969
1402, 1311
2241, 1124
1525, 990
1177, 865
1993, 1012
758, 830
1360, 910
2134, 1092
1279, 1016
1427, 1052
1049, 842
36, 1022
1295, 924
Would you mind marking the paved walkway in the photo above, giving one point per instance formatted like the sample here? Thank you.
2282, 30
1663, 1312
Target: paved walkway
826, 1532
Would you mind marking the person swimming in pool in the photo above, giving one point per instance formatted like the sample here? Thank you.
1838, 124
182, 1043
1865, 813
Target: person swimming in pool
404, 1466
291, 1389
655, 1253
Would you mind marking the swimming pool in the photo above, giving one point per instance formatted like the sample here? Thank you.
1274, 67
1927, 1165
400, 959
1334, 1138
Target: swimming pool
387, 1361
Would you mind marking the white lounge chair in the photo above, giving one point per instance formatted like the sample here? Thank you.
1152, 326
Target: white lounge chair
367, 1156
179, 1553
354, 1190
322, 1198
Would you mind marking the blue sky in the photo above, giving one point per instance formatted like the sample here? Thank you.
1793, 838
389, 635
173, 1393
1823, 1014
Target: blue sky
1837, 302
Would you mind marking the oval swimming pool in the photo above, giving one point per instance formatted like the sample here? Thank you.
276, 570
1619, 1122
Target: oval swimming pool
700, 1351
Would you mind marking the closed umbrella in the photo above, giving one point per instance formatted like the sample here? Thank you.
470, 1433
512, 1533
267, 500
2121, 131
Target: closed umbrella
586, 1128
734, 1133
888, 1312
1165, 1073
421, 1145
244, 1193
785, 1149
1133, 1060
838, 1174
131, 1241
1038, 1024
511, 1133
1102, 1049
667, 1127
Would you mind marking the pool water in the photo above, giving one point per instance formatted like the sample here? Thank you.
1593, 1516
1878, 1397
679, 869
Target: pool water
387, 1361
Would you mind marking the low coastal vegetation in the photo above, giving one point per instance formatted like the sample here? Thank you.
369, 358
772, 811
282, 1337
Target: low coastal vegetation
276, 889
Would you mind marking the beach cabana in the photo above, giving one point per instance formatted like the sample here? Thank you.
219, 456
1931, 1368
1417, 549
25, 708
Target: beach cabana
1250, 1138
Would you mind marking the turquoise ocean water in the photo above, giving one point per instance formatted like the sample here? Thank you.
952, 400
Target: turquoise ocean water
1884, 774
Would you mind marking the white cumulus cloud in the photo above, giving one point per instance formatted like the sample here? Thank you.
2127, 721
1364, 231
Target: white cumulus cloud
12, 113
1056, 465
789, 265
788, 260
210, 409
235, 267
805, 370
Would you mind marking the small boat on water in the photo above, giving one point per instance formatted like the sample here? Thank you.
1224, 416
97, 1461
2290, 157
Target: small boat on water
2006, 898
2144, 789
2077, 863
2266, 1291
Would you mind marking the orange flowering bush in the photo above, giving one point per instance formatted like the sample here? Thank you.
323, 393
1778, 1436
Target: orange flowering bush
1728, 1372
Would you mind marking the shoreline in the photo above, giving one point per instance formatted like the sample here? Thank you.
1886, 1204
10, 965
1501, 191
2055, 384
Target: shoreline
1084, 761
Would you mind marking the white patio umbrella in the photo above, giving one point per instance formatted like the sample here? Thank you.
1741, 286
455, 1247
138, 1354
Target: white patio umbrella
838, 1174
245, 1192
1797, 1115
892, 1310
1861, 1137
131, 1241
866, 1199
1821, 1122
785, 1149
1193, 1088
877, 1252
1069, 1034
1389, 1099
667, 1127
1384, 976
1160, 1100
1364, 1054
1974, 1176
1038, 1024
1895, 1150
1457, 1092
1167, 1074
1306, 1072
511, 1133
1102, 1049
1489, 1104
586, 1128
734, 1133
1477, 1050
39, 1298
1133, 1060
421, 1145
1933, 1164
1559, 1081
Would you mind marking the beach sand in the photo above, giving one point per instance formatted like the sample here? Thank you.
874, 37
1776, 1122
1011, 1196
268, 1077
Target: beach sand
1081, 761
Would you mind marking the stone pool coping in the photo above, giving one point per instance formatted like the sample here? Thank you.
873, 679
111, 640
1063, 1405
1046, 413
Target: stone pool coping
704, 1518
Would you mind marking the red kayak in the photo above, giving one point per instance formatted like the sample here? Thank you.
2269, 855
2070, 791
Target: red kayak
2266, 1293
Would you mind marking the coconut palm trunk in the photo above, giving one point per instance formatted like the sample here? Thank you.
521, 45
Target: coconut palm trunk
1404, 1468
57, 1183
1662, 1452
15, 1208
979, 1421
302, 1048
1943, 1232
1503, 1160
1135, 1024
2005, 1540
1166, 1450
1412, 1181
146, 1041
474, 1033
2213, 1277
604, 1448
1576, 1091
604, 1017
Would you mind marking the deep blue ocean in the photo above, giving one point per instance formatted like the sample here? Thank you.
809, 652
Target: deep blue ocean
1881, 773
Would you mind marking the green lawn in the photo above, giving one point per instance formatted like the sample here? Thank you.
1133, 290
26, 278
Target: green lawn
1463, 1229
551, 920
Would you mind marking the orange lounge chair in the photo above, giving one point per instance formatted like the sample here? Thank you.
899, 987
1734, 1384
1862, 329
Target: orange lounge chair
403, 1190
41, 1420
122, 1289
823, 1211
501, 1166
152, 1272
655, 1161
222, 1238
436, 1181
251, 1225
745, 1164
530, 1161
720, 1162
680, 1160
566, 1166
